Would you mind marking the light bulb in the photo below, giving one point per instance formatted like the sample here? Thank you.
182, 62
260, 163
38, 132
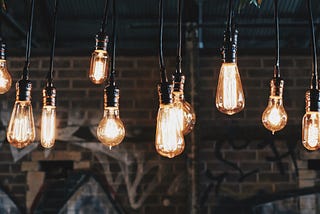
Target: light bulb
5, 78
229, 95
21, 130
48, 126
110, 130
274, 117
99, 66
169, 137
311, 130
185, 113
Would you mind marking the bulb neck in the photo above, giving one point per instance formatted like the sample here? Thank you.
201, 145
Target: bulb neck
49, 95
165, 93
2, 51
101, 41
313, 100
111, 96
111, 112
276, 87
229, 49
23, 88
178, 82
178, 96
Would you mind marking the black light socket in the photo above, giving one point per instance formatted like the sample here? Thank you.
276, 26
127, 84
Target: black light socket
2, 50
229, 49
276, 87
111, 96
313, 100
23, 88
49, 94
178, 82
165, 93
101, 41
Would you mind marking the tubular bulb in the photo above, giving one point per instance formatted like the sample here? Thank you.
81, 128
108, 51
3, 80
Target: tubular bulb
5, 77
110, 130
169, 138
229, 96
48, 126
311, 130
99, 66
185, 113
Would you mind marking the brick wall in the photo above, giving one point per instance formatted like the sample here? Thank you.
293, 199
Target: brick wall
239, 159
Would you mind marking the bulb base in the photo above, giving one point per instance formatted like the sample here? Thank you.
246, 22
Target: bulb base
2, 50
313, 100
101, 41
229, 49
165, 93
276, 87
178, 82
111, 96
23, 88
49, 94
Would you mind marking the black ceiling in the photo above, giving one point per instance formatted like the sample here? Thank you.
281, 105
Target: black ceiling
79, 21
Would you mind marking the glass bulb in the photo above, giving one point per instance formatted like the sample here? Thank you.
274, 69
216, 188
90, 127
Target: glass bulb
110, 129
48, 126
186, 114
5, 78
169, 138
229, 96
311, 130
99, 66
274, 116
21, 131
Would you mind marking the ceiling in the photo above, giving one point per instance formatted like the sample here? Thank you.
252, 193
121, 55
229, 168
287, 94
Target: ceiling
79, 21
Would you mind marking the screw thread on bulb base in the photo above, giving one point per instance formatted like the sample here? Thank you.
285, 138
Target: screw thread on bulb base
101, 41
23, 88
178, 82
49, 94
229, 49
111, 96
276, 87
313, 100
2, 50
165, 93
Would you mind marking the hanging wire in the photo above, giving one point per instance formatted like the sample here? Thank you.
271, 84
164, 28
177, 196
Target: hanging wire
179, 24
276, 22
29, 39
114, 37
230, 14
314, 77
161, 60
0, 28
53, 45
105, 17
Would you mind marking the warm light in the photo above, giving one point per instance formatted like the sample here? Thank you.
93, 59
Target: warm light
5, 78
229, 96
99, 67
311, 130
169, 137
21, 131
185, 113
48, 126
110, 129
274, 116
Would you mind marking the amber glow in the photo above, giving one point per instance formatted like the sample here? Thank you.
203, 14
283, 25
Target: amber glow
310, 130
169, 138
99, 66
274, 117
5, 78
229, 95
21, 131
48, 126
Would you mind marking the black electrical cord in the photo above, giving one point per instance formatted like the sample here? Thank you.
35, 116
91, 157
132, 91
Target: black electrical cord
314, 77
229, 21
29, 39
53, 45
105, 17
161, 60
276, 22
114, 37
179, 24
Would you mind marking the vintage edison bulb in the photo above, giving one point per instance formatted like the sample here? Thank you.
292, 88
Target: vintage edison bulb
274, 116
229, 96
185, 112
99, 66
48, 126
110, 130
169, 137
311, 130
21, 131
5, 77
